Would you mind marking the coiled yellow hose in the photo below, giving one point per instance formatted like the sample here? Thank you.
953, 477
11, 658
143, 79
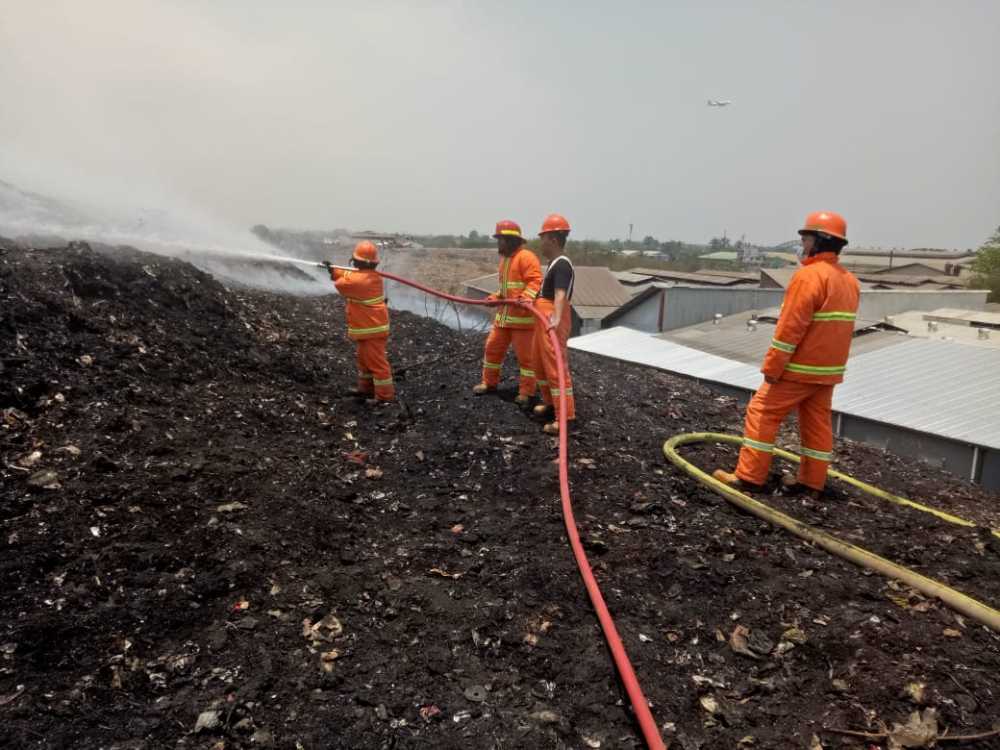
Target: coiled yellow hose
928, 586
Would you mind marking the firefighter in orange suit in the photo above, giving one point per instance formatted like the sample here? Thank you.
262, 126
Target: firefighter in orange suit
367, 321
807, 357
554, 302
520, 277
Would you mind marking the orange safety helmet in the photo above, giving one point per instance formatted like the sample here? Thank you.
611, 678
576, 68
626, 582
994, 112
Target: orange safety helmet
826, 222
508, 228
554, 223
365, 252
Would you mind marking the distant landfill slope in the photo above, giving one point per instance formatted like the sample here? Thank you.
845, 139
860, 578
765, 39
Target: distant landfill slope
41, 221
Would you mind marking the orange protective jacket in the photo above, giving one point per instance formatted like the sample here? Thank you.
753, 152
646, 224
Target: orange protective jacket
367, 314
520, 278
813, 337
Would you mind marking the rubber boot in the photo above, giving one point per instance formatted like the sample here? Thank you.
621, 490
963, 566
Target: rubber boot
482, 388
791, 486
731, 480
522, 401
542, 410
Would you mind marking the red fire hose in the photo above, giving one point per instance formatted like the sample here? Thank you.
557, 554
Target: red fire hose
640, 706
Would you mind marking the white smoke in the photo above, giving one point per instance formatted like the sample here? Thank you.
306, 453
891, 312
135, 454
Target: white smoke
235, 257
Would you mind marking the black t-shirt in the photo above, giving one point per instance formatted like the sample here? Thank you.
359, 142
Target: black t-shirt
559, 275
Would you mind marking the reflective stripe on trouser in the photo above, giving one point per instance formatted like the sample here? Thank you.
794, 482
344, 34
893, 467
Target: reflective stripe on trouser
545, 359
765, 413
497, 343
374, 372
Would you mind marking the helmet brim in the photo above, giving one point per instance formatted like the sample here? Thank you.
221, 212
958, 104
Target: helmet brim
809, 230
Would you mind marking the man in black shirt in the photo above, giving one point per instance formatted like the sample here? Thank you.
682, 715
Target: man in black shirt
554, 302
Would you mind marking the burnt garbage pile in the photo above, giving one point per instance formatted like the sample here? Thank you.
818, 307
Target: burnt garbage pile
129, 314
206, 544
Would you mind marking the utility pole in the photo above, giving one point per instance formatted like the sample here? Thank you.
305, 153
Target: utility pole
630, 234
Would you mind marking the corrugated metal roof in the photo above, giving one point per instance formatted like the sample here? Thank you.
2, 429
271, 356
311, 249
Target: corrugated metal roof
947, 329
732, 337
904, 279
943, 388
593, 312
594, 286
965, 317
721, 255
630, 277
700, 277
887, 264
938, 387
742, 275
632, 346
780, 276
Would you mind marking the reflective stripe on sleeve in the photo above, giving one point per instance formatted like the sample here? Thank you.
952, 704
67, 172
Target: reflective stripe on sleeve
815, 369
834, 315
369, 302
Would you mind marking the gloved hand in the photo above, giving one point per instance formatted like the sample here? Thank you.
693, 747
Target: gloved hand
325, 264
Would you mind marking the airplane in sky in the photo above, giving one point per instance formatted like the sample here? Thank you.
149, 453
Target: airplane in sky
719, 102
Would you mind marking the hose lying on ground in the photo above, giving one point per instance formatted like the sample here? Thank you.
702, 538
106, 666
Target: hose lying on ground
640, 706
850, 552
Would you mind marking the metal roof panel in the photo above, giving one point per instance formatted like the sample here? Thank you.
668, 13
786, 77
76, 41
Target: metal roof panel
941, 388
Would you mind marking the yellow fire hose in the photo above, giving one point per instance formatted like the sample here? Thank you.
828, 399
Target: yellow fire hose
928, 586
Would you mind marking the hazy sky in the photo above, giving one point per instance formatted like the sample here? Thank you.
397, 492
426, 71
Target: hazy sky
445, 116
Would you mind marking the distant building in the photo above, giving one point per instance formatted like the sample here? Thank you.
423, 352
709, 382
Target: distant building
665, 306
730, 256
749, 255
778, 278
638, 277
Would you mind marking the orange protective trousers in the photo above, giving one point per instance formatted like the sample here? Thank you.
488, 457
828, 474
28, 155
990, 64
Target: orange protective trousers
765, 413
545, 358
497, 344
374, 372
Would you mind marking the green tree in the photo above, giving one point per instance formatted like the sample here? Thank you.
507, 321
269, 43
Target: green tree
986, 267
